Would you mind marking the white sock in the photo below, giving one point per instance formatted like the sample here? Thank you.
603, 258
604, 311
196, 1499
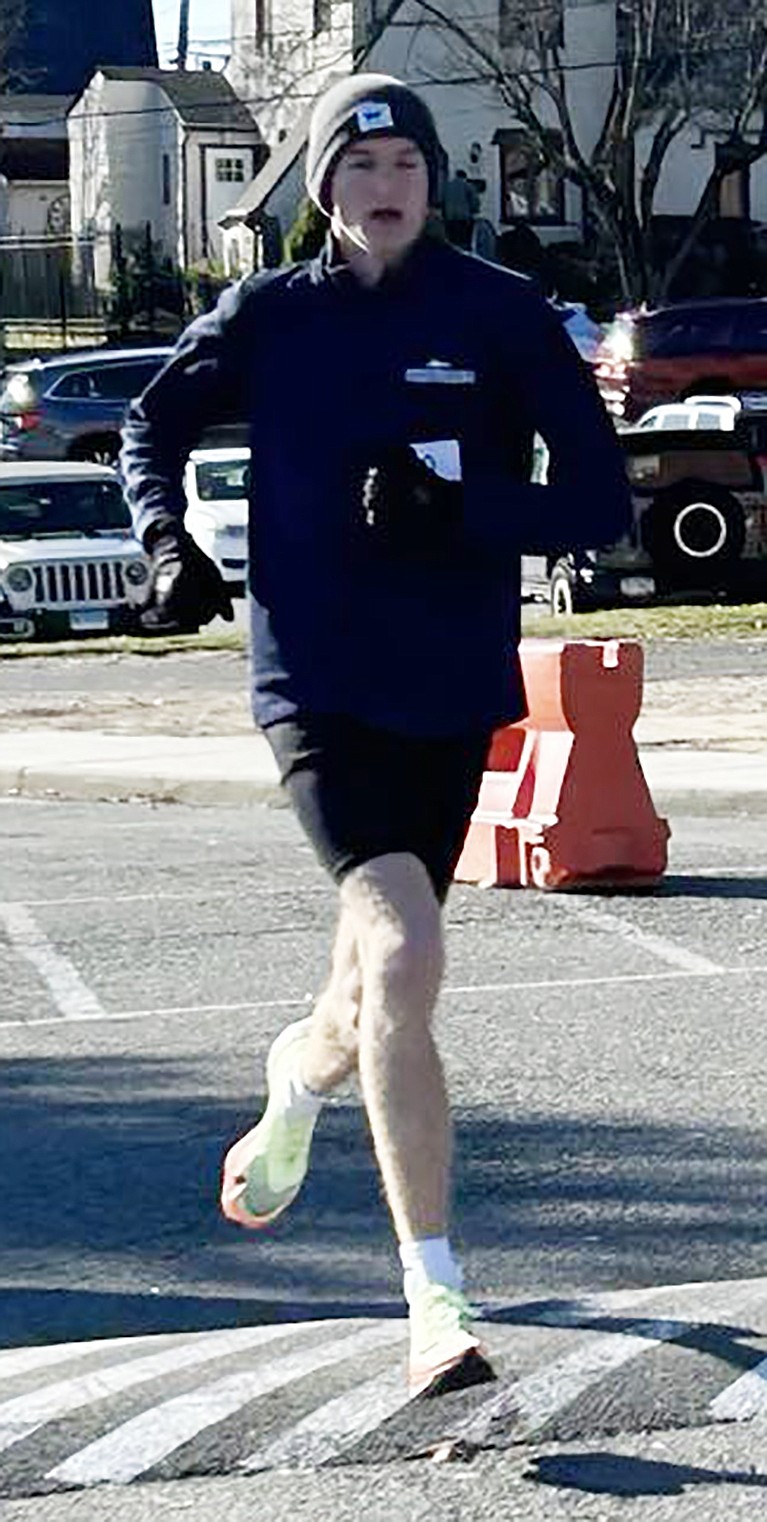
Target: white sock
301, 1100
429, 1261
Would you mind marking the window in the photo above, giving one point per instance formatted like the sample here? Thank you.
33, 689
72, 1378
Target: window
321, 15
166, 179
109, 382
61, 507
230, 171
222, 481
536, 28
532, 190
734, 190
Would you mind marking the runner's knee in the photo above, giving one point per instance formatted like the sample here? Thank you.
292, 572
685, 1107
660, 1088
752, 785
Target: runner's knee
399, 935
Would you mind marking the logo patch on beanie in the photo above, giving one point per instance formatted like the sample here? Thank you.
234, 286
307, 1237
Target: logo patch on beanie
374, 116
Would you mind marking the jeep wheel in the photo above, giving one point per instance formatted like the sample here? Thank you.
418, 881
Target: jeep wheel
695, 535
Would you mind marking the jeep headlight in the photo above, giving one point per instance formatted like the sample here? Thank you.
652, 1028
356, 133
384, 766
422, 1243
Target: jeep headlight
19, 578
136, 572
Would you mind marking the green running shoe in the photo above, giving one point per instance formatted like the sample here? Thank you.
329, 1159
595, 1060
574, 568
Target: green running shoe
265, 1169
445, 1353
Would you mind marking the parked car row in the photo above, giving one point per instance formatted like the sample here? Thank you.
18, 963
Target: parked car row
687, 386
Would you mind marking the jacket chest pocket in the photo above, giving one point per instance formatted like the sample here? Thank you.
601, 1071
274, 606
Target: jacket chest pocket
442, 401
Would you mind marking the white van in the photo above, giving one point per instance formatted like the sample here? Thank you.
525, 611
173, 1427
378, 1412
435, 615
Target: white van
216, 487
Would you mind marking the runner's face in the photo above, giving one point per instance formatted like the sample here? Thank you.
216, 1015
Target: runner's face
380, 196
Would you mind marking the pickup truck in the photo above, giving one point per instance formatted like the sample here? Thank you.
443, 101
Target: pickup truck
700, 520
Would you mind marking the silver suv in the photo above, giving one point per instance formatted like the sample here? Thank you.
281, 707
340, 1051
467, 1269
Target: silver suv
72, 407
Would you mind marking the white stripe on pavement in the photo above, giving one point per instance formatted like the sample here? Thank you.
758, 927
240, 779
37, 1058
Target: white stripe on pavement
657, 945
462, 989
15, 1361
334, 1426
24, 1414
744, 1398
70, 994
143, 1442
539, 1396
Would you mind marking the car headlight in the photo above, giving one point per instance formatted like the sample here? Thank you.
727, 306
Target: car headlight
19, 578
136, 572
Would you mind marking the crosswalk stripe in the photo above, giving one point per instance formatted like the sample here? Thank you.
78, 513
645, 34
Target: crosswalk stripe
15, 1361
138, 1445
745, 1398
334, 1426
532, 1401
24, 1414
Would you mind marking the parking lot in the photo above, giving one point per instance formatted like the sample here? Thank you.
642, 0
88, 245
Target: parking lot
605, 1055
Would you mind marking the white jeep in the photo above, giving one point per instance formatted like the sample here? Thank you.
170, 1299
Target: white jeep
69, 564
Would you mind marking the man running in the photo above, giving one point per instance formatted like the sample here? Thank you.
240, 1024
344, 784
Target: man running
392, 388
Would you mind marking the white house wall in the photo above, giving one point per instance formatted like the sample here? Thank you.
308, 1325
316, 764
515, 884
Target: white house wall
759, 191
206, 198
28, 205
119, 131
277, 84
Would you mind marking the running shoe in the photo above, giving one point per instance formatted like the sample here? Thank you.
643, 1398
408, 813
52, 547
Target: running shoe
445, 1353
265, 1169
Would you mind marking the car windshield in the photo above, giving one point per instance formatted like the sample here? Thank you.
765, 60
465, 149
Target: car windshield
221, 480
31, 508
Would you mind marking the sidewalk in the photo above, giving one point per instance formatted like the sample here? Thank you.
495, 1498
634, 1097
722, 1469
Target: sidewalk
240, 769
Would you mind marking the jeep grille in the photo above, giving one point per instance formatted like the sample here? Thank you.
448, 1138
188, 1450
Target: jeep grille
83, 581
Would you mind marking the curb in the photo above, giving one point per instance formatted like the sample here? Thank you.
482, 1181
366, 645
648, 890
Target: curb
106, 786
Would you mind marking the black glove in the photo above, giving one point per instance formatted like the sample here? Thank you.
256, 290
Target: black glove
185, 588
407, 507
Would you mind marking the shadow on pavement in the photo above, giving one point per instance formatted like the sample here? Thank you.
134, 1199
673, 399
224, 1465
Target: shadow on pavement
681, 885
612, 1474
109, 1220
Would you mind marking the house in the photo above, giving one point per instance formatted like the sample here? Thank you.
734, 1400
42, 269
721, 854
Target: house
273, 66
158, 154
283, 55
34, 164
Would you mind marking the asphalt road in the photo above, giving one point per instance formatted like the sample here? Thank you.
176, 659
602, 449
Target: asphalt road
605, 1057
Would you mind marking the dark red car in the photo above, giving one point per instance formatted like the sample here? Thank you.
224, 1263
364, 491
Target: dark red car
647, 357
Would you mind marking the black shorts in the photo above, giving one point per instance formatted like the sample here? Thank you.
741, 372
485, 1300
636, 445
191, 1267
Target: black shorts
361, 792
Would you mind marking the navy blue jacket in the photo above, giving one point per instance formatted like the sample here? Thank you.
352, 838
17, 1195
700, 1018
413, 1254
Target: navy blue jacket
323, 369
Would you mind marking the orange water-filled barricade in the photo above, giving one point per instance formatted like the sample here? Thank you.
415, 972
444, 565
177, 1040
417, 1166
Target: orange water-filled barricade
564, 802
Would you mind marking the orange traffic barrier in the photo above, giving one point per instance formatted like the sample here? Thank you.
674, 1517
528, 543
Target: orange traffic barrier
564, 802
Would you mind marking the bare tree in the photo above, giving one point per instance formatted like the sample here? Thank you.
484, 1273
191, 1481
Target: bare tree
678, 65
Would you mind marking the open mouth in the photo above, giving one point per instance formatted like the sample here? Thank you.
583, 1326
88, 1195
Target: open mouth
386, 214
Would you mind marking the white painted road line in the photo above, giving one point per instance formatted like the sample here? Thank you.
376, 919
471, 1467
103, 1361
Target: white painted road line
745, 1398
16, 1361
538, 1397
656, 945
143, 1442
455, 989
331, 1428
24, 1414
69, 993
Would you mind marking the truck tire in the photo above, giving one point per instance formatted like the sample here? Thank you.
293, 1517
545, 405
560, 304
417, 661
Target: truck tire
694, 535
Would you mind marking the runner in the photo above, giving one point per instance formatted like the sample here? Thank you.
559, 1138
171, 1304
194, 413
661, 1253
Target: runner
393, 387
